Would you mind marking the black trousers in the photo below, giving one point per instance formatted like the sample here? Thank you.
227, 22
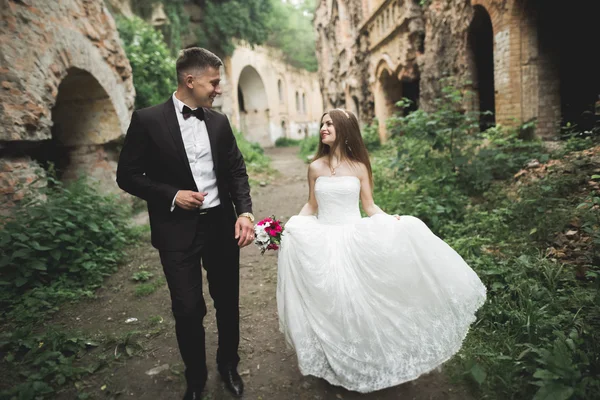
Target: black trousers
215, 248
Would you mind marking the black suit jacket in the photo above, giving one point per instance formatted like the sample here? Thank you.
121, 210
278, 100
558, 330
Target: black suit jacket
153, 165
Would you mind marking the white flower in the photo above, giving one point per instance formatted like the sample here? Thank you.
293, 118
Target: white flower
261, 235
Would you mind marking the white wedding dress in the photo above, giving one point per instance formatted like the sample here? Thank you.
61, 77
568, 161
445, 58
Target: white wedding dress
369, 303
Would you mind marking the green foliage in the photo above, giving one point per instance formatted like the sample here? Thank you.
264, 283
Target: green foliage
53, 249
254, 155
177, 26
443, 158
282, 25
142, 276
59, 247
537, 334
224, 21
287, 142
536, 329
308, 147
151, 62
145, 289
292, 32
370, 135
178, 19
47, 361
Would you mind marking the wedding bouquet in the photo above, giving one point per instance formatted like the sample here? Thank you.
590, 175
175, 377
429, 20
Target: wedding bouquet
268, 234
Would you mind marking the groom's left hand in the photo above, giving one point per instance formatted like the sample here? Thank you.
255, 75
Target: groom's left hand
244, 231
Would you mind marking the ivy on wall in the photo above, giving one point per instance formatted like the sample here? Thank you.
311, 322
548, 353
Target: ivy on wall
283, 25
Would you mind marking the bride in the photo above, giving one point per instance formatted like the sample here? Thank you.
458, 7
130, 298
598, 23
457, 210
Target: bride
367, 303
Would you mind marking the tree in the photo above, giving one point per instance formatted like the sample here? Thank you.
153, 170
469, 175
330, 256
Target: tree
293, 33
151, 62
225, 21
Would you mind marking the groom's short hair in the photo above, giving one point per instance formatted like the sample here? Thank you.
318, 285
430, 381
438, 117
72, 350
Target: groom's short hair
195, 58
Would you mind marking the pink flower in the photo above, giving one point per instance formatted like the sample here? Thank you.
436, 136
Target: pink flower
264, 221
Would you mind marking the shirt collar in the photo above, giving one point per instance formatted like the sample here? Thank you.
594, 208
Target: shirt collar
179, 104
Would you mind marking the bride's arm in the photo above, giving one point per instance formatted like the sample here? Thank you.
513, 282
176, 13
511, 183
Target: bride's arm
311, 207
366, 194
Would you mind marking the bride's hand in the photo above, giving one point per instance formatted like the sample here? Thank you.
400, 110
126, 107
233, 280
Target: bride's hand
396, 216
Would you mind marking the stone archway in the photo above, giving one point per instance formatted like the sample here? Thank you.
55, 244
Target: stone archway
569, 59
84, 120
68, 103
480, 44
388, 91
254, 111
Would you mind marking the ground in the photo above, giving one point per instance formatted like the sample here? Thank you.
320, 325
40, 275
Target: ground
267, 366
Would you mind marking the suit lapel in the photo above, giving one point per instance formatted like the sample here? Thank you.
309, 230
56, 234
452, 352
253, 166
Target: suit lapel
173, 126
212, 135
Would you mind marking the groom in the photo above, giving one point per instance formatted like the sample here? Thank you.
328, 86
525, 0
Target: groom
182, 158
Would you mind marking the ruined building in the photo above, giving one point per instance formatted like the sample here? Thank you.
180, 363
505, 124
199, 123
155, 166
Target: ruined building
67, 92
263, 96
525, 60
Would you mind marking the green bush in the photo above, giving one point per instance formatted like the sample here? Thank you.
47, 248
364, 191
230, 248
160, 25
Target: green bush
308, 147
225, 21
443, 159
45, 361
287, 142
254, 155
370, 135
536, 337
153, 68
55, 248
291, 30
59, 247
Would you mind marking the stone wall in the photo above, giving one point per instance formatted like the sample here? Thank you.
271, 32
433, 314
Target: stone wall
278, 100
65, 83
414, 48
267, 108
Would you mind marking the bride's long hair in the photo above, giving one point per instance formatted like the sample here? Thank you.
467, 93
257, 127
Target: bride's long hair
347, 139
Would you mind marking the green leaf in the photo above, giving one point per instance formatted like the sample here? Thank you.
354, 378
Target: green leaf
38, 265
56, 254
544, 374
554, 391
478, 374
4, 261
38, 247
21, 253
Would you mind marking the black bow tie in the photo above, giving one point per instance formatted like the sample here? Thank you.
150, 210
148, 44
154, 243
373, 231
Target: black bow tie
188, 112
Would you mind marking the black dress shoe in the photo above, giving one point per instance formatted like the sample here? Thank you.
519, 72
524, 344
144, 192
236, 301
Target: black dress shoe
233, 380
193, 394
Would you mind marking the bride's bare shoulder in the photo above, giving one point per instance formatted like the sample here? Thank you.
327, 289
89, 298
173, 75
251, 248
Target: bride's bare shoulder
360, 169
317, 167
319, 163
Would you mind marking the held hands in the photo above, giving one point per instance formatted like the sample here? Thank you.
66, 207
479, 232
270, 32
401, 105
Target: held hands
244, 231
189, 200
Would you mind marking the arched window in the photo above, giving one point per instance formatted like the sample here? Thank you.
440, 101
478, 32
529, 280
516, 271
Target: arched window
303, 103
280, 90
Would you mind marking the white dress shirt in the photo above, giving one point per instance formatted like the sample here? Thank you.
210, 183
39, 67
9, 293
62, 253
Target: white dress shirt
197, 148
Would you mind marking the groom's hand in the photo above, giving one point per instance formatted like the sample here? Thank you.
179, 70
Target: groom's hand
189, 200
244, 231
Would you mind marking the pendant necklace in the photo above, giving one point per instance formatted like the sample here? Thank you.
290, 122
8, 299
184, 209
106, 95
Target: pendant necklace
333, 169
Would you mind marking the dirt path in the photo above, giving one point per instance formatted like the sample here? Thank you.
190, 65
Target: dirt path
269, 369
